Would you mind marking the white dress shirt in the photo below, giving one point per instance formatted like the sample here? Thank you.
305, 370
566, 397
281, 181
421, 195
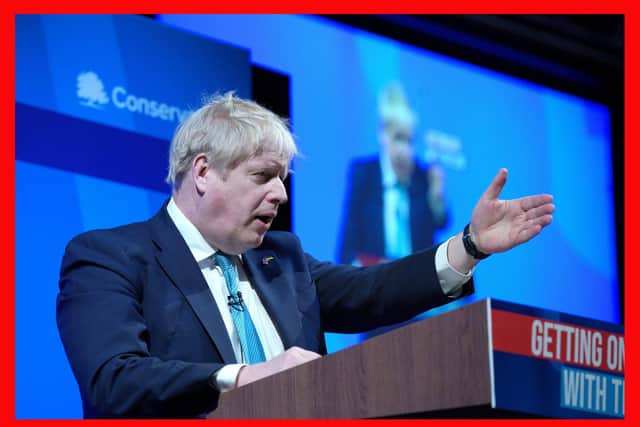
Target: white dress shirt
395, 215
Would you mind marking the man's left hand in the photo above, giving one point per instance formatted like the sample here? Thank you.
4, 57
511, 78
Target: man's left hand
499, 225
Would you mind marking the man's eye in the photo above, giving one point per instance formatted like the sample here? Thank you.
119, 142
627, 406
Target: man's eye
264, 176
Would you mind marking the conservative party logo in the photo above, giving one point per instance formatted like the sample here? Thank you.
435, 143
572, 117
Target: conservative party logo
91, 90
92, 93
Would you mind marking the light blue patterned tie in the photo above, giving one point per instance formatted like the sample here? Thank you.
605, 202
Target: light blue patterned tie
249, 340
401, 241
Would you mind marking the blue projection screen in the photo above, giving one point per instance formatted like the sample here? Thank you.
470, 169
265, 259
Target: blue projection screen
549, 141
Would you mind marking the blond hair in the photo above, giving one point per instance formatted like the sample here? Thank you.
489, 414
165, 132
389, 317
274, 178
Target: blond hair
393, 106
228, 130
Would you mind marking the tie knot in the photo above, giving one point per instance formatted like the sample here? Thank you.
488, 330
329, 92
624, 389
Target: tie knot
402, 186
223, 260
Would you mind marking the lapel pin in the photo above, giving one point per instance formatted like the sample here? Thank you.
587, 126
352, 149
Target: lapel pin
267, 260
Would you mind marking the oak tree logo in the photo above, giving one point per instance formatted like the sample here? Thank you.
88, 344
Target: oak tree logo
91, 90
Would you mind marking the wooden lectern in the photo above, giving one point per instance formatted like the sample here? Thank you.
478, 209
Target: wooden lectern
440, 367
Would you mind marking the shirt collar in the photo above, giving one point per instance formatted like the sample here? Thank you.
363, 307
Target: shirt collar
199, 247
389, 179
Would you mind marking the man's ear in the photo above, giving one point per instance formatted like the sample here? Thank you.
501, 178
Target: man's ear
199, 172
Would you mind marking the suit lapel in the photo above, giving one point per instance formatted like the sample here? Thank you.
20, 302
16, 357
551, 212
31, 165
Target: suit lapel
420, 216
263, 268
374, 217
178, 263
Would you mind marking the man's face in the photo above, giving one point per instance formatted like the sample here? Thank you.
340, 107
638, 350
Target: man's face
239, 209
397, 142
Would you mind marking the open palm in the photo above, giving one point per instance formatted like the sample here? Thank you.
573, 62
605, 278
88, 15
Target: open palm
498, 225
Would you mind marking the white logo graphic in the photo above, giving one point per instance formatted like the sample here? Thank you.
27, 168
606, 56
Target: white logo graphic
444, 148
91, 90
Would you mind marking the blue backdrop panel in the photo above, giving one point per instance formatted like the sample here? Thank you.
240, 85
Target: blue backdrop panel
124, 71
98, 99
90, 148
52, 205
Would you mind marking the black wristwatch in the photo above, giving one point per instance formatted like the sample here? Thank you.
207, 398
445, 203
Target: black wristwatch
469, 246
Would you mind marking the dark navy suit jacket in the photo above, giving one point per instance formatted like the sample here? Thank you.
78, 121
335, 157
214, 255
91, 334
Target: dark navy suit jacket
143, 333
362, 230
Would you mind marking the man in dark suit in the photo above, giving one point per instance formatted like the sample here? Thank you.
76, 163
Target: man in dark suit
393, 203
159, 317
364, 236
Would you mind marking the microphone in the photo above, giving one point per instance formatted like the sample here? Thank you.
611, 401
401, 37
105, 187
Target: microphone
236, 302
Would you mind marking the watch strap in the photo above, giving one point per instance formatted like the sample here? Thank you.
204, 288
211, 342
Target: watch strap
469, 246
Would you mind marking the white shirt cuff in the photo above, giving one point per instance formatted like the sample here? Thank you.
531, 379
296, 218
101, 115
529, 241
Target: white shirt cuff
451, 280
227, 375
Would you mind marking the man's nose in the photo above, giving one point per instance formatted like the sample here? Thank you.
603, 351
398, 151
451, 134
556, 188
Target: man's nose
278, 193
